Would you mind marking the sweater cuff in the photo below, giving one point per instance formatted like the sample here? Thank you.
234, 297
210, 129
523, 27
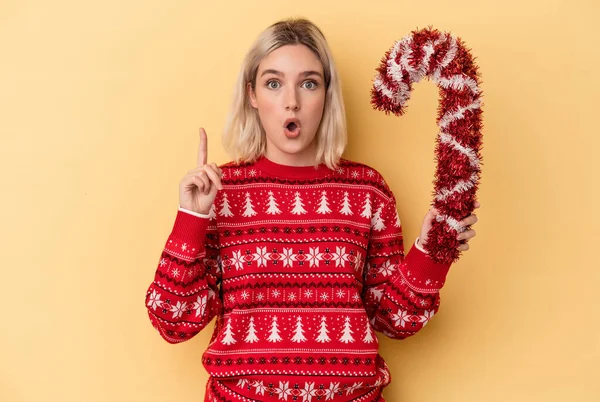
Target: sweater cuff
189, 228
418, 246
421, 272
199, 215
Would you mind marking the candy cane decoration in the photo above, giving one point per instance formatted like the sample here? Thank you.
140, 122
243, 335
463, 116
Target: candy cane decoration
447, 62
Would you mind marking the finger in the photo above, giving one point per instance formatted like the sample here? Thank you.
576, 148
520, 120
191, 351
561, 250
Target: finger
199, 169
214, 177
202, 153
469, 220
466, 235
431, 214
477, 204
463, 247
217, 169
198, 183
202, 176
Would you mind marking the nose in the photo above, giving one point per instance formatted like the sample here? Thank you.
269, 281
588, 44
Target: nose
291, 101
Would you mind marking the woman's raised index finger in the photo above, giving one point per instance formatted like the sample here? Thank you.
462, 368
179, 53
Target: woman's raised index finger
202, 148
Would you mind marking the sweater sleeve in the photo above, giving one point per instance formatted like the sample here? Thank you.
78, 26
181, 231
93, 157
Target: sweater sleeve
401, 292
184, 296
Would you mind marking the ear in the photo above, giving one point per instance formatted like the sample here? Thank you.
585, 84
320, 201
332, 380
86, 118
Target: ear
251, 95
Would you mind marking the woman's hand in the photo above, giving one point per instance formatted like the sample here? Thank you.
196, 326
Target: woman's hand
464, 237
198, 188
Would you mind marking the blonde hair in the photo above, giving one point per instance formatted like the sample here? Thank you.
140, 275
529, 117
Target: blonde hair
244, 137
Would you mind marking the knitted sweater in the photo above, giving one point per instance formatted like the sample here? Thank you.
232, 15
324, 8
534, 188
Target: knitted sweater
299, 266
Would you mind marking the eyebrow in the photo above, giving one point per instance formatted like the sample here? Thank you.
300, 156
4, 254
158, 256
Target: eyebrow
280, 74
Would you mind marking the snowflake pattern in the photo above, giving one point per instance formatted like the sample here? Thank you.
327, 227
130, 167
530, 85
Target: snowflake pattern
199, 305
341, 257
237, 260
387, 268
400, 318
154, 300
178, 309
309, 391
261, 256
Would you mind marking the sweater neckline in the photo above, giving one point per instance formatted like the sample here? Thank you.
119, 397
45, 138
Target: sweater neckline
291, 172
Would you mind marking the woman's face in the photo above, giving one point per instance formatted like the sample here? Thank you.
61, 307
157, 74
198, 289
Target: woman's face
290, 85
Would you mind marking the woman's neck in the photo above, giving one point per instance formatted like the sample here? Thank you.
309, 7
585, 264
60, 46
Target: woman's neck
307, 157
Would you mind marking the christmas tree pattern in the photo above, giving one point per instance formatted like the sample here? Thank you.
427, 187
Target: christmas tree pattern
298, 205
299, 331
228, 338
212, 214
273, 206
274, 336
225, 210
323, 331
251, 334
366, 213
397, 223
249, 208
347, 332
324, 204
346, 205
377, 222
368, 338
377, 293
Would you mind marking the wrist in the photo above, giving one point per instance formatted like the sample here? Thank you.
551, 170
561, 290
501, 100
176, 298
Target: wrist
419, 245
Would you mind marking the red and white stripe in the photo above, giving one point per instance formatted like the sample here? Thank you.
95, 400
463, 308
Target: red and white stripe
441, 55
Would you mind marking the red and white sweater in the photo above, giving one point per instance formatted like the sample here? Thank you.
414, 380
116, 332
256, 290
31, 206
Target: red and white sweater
299, 266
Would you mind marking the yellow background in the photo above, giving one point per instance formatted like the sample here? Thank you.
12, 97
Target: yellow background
100, 104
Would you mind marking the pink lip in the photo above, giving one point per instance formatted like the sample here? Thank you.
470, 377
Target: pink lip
291, 120
296, 132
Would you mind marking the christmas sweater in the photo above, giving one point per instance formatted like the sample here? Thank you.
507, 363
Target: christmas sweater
301, 267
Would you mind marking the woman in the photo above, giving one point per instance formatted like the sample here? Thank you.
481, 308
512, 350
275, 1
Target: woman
297, 251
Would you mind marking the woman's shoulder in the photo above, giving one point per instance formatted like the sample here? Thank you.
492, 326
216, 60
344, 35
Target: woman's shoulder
355, 169
362, 173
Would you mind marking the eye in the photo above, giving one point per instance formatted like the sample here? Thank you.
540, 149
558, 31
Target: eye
272, 82
311, 84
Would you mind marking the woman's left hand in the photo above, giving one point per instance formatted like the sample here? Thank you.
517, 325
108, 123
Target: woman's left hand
464, 236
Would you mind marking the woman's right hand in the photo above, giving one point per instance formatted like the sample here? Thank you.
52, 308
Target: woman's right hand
198, 188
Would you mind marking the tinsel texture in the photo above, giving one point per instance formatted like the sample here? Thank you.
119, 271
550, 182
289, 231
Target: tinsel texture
446, 61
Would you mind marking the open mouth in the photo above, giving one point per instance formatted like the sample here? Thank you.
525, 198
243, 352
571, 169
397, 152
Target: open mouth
292, 127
